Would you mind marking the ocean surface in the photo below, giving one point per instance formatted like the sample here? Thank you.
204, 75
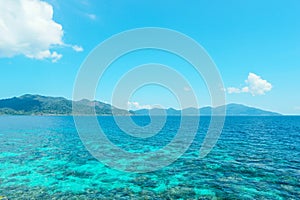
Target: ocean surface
255, 158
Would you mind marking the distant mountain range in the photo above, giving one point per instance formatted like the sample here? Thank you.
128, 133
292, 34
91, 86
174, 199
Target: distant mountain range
41, 105
231, 110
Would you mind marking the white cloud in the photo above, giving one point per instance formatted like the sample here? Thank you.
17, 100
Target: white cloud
136, 106
92, 16
187, 89
46, 54
27, 28
231, 90
77, 48
255, 85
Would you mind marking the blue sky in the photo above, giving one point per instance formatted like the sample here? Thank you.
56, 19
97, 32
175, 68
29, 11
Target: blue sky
258, 41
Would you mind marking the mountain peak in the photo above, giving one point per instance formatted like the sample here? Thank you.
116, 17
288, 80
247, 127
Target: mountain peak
29, 104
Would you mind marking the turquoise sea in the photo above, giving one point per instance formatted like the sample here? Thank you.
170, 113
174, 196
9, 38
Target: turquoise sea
42, 157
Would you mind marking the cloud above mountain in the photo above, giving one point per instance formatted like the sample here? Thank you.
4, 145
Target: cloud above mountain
136, 106
255, 85
27, 28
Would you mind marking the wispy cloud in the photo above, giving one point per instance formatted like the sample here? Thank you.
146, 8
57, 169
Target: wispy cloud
231, 90
92, 16
186, 88
77, 48
255, 85
136, 106
27, 28
85, 2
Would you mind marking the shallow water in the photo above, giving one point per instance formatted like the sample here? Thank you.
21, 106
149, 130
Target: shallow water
255, 158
